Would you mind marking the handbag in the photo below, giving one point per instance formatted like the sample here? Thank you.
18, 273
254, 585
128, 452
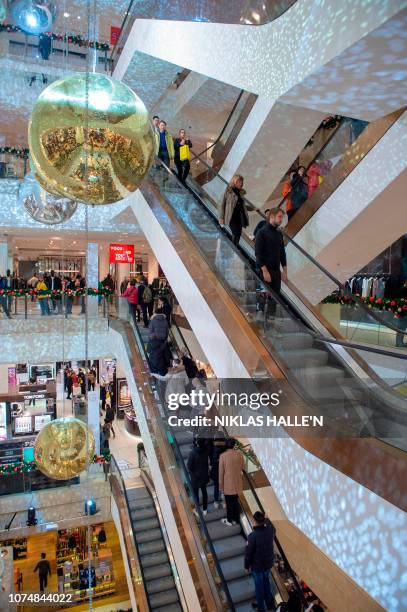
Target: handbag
184, 153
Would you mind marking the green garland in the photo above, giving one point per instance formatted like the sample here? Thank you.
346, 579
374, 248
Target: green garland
74, 39
24, 467
20, 152
48, 292
397, 306
248, 452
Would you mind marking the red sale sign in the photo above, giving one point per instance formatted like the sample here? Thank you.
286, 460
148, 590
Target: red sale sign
114, 34
122, 253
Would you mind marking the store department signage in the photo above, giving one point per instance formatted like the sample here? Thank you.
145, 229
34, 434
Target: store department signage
34, 396
122, 253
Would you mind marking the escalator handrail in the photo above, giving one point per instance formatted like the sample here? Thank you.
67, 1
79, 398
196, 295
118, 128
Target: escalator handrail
324, 271
276, 540
198, 155
181, 463
117, 469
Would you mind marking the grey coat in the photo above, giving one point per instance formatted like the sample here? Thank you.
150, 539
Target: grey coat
228, 206
158, 328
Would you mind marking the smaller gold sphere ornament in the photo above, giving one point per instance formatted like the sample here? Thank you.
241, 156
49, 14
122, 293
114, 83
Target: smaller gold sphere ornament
64, 447
90, 139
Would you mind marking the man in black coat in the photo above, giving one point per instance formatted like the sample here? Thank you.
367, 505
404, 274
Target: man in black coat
259, 559
54, 283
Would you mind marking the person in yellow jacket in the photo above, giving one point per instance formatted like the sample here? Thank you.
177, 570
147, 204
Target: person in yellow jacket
164, 144
43, 299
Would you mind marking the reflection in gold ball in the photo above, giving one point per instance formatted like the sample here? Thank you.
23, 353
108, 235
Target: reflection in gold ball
90, 142
63, 448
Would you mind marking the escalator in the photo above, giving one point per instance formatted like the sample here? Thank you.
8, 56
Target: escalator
225, 545
151, 547
320, 369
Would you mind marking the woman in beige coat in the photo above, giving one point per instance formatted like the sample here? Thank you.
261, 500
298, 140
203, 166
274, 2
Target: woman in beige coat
233, 210
231, 464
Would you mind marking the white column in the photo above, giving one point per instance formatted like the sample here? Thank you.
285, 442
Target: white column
103, 260
92, 276
152, 267
3, 257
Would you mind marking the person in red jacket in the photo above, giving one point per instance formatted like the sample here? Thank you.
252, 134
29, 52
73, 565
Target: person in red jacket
131, 294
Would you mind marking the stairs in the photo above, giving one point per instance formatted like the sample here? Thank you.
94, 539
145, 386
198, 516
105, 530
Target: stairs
158, 579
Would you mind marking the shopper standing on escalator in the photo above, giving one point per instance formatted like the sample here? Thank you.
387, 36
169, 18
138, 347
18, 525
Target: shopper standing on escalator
270, 253
164, 144
259, 559
198, 467
233, 210
182, 145
299, 188
231, 465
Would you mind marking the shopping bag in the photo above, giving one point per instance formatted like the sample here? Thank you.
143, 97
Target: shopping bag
184, 153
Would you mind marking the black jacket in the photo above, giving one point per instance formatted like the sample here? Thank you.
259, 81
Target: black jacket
159, 356
57, 283
259, 226
198, 467
43, 567
177, 144
190, 366
269, 248
259, 554
110, 414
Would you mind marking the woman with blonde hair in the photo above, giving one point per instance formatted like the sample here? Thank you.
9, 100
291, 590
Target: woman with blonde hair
233, 210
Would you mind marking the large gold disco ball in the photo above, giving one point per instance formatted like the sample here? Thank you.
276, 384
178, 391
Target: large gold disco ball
64, 447
90, 140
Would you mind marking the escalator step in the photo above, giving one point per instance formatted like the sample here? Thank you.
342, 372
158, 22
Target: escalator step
242, 589
157, 571
215, 514
184, 437
160, 584
218, 531
176, 607
151, 535
154, 559
144, 525
143, 502
230, 547
245, 606
305, 358
233, 568
140, 514
297, 341
151, 547
164, 598
138, 493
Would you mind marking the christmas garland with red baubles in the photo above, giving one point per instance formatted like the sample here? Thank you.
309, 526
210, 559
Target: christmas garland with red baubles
24, 467
397, 306
73, 39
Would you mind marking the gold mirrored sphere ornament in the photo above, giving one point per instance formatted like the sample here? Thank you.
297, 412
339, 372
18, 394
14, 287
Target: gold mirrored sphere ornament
64, 447
90, 142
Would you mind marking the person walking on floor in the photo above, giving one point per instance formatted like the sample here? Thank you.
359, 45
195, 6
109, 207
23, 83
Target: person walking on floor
109, 418
131, 294
231, 464
259, 559
182, 146
69, 385
270, 253
233, 210
3, 298
164, 144
54, 283
44, 570
143, 290
43, 299
198, 467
